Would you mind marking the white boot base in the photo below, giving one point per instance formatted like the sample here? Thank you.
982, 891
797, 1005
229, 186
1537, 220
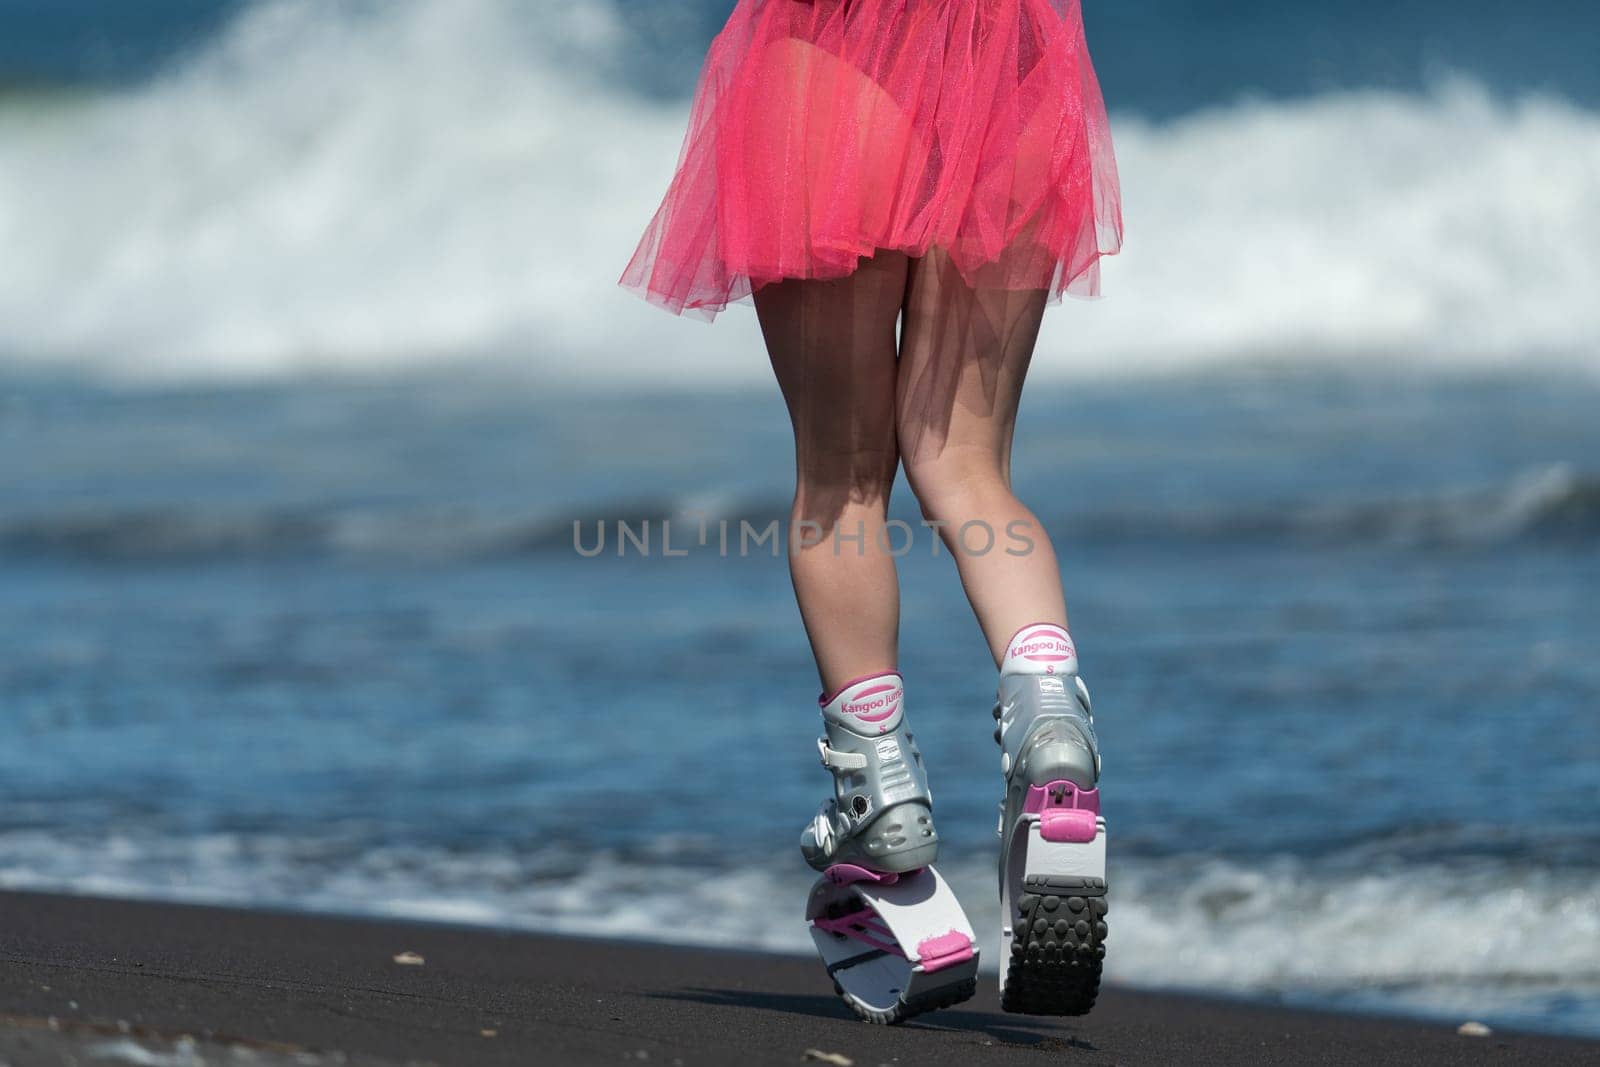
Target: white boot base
882, 986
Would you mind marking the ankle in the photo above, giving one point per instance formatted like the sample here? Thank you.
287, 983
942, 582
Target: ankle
872, 703
1040, 648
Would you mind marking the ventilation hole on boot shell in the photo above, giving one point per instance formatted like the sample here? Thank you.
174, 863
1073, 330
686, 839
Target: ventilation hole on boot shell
893, 828
859, 805
896, 842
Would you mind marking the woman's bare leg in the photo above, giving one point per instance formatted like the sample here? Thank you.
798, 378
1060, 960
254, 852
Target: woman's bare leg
832, 345
963, 358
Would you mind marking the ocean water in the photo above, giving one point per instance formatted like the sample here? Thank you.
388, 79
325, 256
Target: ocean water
310, 359
332, 646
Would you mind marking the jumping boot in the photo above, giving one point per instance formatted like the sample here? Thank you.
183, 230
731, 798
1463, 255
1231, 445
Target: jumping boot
1053, 840
888, 928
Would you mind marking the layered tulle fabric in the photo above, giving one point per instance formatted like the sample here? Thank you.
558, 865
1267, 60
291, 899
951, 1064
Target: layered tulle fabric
825, 130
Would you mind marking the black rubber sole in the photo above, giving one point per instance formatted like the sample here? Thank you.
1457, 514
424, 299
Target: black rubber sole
905, 1010
1058, 948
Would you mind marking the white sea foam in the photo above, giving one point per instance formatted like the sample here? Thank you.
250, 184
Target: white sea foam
370, 187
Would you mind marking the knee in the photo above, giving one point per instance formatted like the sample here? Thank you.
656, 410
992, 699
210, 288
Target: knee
953, 486
859, 481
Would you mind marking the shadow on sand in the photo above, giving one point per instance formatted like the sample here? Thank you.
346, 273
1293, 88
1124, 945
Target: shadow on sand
1016, 1031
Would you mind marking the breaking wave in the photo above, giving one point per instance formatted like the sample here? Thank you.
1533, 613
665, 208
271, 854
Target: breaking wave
358, 188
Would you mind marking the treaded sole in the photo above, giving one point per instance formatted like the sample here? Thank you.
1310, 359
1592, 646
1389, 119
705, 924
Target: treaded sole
1059, 946
905, 1010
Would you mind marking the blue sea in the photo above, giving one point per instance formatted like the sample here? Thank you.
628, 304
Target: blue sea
311, 359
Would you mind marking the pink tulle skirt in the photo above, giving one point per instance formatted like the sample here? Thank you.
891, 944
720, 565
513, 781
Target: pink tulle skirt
823, 131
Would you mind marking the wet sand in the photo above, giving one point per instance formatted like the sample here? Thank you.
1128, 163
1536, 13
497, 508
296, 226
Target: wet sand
85, 980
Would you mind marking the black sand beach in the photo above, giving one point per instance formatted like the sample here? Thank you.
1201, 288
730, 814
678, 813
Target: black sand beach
91, 980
